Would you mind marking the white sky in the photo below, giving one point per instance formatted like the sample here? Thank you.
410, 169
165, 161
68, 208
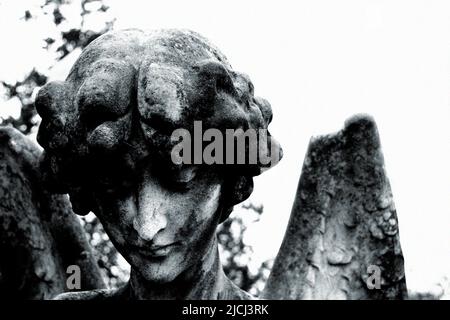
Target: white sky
319, 62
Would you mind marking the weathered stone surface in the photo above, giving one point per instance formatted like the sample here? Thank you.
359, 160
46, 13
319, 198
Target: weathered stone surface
106, 132
343, 223
39, 234
124, 97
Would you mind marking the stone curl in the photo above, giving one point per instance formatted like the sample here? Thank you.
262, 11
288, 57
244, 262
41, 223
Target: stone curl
122, 100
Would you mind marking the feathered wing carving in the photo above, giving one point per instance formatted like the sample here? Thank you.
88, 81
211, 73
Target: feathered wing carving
342, 240
40, 236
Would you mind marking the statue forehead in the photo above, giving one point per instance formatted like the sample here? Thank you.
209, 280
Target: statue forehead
181, 49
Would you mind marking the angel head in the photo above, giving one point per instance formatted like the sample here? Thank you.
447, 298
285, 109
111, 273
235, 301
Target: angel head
107, 137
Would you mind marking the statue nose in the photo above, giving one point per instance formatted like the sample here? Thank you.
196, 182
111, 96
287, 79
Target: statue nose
149, 224
151, 216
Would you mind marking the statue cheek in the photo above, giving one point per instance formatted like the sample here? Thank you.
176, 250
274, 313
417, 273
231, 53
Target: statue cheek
201, 216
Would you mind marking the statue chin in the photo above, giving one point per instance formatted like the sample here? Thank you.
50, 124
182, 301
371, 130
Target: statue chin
159, 276
157, 270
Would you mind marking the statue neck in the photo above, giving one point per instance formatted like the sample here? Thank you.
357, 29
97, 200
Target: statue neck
204, 280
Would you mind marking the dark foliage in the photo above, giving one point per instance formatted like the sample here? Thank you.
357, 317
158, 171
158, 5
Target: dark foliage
237, 254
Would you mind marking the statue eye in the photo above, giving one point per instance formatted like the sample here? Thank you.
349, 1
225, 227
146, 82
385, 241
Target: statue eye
187, 174
182, 178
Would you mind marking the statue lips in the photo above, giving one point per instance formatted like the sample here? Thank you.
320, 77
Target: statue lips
157, 251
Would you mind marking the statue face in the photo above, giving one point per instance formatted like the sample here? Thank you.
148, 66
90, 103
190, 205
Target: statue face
124, 97
165, 223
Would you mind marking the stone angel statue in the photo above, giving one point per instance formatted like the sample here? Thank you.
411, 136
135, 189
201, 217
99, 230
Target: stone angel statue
107, 139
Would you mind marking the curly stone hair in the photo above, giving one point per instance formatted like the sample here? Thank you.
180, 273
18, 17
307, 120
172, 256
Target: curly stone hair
123, 98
